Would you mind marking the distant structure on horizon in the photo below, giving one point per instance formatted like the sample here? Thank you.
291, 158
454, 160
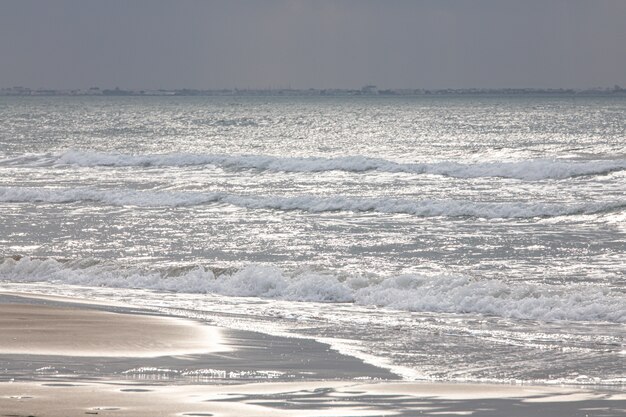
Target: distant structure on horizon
367, 90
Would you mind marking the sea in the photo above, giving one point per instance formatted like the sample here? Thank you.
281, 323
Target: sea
469, 238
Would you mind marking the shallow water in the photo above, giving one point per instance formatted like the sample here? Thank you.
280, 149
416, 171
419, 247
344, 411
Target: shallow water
446, 238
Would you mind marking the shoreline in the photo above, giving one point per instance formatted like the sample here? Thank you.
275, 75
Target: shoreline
137, 344
237, 373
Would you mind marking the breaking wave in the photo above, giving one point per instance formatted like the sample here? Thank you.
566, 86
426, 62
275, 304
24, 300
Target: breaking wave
308, 203
412, 292
537, 169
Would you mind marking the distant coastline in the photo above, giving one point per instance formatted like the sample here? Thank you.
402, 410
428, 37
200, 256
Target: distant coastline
368, 90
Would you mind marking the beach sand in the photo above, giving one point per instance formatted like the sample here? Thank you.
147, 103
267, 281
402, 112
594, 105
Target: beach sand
31, 329
64, 358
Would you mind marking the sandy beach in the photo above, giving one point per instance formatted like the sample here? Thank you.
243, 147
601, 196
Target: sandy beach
65, 331
320, 398
63, 358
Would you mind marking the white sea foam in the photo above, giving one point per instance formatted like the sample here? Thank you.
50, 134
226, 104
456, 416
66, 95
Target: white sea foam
413, 292
309, 203
536, 169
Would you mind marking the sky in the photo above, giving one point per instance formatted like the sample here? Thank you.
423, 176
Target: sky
204, 44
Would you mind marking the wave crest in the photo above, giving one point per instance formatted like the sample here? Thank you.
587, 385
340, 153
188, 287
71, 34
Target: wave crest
308, 203
444, 293
532, 170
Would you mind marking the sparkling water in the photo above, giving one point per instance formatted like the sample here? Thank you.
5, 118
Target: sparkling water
477, 238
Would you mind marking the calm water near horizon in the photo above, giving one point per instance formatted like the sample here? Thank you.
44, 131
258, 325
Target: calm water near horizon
457, 238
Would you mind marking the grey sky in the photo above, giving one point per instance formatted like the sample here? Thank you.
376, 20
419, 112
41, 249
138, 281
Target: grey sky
312, 43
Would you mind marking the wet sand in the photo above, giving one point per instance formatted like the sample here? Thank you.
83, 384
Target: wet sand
31, 329
315, 398
59, 358
93, 341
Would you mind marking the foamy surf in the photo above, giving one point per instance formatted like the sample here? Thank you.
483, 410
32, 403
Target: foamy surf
531, 170
307, 203
440, 293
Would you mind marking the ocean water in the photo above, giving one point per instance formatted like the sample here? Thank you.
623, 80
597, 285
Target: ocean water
452, 238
